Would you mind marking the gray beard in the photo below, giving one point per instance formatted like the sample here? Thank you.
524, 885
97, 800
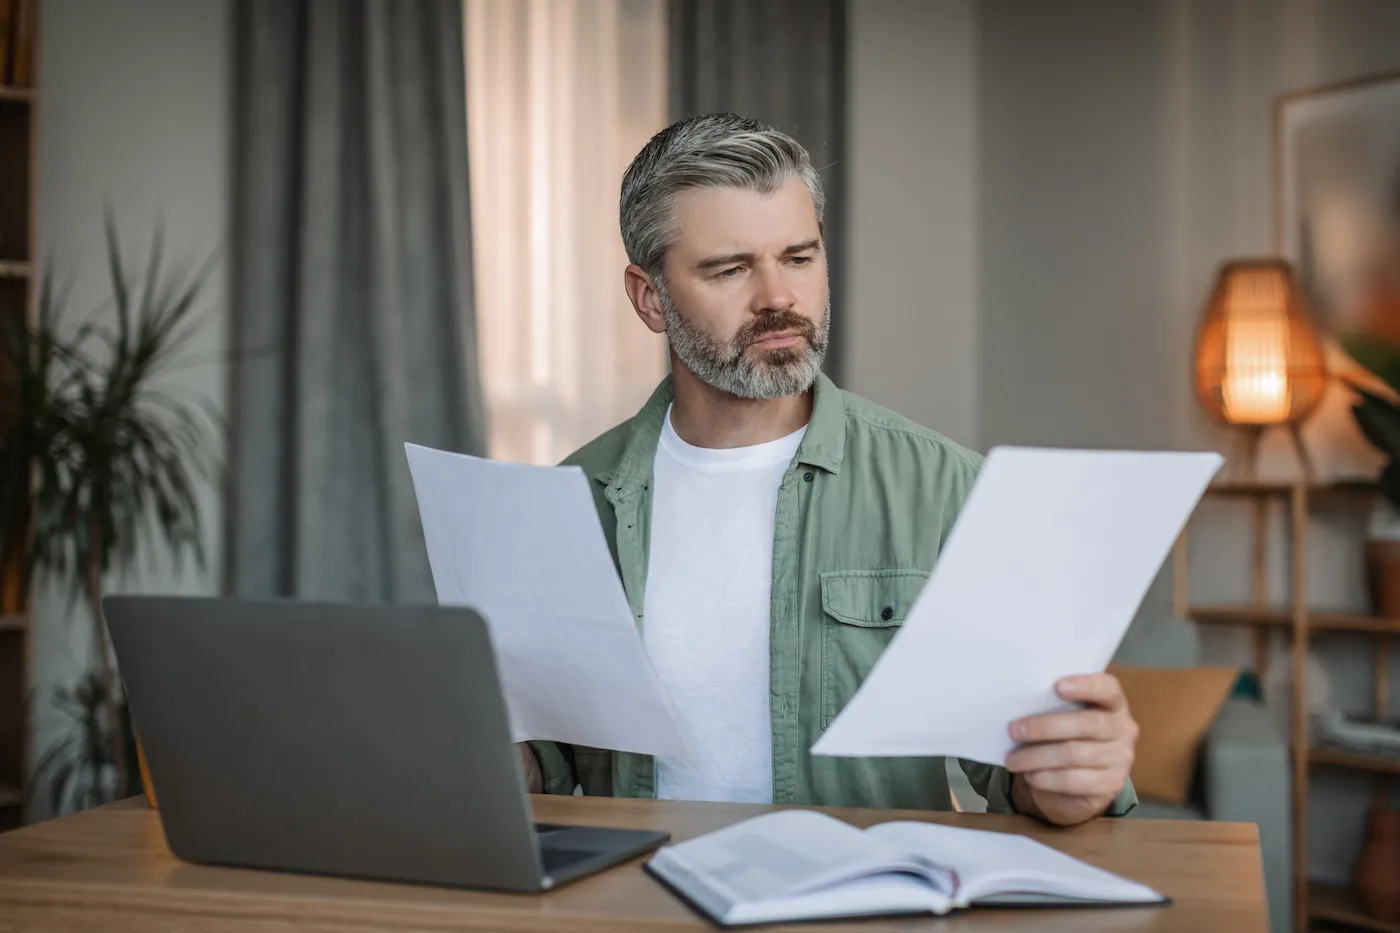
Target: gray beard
723, 365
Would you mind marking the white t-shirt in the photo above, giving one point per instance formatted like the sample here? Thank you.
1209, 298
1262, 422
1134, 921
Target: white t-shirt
707, 607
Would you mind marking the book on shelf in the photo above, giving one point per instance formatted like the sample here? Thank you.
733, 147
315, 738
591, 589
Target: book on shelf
22, 73
17, 22
7, 22
796, 865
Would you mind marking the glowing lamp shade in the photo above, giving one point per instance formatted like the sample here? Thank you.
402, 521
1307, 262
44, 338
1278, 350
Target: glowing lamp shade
1258, 359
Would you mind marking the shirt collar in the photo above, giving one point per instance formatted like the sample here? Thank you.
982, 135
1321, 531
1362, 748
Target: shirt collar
824, 444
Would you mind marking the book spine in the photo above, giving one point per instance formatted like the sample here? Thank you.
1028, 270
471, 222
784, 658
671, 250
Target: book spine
24, 42
7, 41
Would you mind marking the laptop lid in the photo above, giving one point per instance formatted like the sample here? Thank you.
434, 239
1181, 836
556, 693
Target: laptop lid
354, 740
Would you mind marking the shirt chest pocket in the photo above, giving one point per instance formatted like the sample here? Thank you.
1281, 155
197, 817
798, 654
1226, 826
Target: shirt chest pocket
861, 611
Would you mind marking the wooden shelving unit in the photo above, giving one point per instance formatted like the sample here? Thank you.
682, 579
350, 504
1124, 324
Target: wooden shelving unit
1340, 757
1313, 901
18, 135
1334, 903
1273, 617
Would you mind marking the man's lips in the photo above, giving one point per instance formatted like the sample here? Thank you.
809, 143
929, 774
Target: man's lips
778, 341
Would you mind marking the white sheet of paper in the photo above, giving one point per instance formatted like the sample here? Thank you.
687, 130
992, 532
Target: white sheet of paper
1040, 577
522, 545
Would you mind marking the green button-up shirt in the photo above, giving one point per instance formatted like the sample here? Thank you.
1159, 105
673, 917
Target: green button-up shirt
863, 511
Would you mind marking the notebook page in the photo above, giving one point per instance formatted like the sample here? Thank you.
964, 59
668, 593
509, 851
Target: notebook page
782, 853
864, 897
989, 863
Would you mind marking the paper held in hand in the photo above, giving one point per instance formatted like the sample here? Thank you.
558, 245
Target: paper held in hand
1039, 578
522, 545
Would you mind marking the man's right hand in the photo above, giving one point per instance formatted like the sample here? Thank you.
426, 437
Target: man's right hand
534, 781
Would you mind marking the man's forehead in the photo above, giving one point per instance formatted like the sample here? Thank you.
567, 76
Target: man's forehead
740, 219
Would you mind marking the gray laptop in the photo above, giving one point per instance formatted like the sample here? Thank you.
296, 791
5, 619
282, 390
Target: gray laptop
352, 740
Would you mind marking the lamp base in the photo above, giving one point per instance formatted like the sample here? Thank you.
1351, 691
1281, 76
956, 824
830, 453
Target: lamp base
1249, 439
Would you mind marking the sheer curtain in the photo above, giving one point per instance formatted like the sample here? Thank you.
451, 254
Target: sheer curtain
560, 95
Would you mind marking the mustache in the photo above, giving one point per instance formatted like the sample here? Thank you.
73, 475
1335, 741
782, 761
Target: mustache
776, 322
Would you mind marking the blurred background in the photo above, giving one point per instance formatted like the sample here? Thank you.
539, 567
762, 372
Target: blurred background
383, 222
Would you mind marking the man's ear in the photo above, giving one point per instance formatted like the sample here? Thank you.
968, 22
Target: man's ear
646, 300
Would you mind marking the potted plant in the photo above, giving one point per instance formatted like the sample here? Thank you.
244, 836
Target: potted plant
1377, 414
100, 463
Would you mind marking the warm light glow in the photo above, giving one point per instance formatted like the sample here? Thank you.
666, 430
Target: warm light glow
1255, 387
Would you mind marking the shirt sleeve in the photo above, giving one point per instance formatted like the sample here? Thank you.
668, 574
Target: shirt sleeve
994, 784
557, 772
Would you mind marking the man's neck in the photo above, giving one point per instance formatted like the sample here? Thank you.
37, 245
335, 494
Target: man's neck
706, 417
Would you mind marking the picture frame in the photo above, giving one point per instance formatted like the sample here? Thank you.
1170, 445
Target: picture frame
1337, 199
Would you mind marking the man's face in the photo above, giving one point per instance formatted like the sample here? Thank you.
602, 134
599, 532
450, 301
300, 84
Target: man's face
745, 297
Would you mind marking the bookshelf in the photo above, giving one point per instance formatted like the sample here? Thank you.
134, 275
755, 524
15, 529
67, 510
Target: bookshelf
1336, 904
1314, 902
19, 104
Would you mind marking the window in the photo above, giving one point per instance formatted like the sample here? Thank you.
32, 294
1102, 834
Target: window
561, 94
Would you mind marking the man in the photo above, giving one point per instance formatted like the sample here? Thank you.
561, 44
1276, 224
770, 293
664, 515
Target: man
771, 530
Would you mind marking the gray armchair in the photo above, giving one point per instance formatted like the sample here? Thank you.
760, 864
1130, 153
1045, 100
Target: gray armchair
1243, 770
1244, 776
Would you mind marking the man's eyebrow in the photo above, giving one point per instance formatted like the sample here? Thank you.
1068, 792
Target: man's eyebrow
728, 260
732, 258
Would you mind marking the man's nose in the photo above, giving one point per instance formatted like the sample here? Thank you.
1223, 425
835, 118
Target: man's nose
774, 293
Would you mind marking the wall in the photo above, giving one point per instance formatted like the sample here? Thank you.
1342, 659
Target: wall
1125, 150
911, 296
134, 114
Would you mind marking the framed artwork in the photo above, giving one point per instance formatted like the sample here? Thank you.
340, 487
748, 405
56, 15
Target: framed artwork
1337, 203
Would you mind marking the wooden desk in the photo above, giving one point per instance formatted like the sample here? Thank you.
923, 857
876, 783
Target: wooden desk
109, 869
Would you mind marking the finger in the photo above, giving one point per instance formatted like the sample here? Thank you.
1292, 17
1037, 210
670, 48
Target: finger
1074, 754
1101, 690
1079, 782
1057, 727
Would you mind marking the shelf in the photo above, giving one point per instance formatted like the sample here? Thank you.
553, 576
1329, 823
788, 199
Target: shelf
11, 796
10, 269
16, 94
1276, 617
1339, 904
1350, 758
13, 623
1278, 490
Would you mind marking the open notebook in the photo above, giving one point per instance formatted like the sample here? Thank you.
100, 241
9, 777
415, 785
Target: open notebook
802, 865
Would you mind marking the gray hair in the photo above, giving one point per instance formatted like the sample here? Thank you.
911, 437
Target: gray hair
711, 151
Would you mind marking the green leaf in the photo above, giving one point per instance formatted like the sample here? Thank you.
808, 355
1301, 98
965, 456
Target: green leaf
1379, 356
1379, 421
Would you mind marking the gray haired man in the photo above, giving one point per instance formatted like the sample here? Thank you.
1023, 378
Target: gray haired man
771, 530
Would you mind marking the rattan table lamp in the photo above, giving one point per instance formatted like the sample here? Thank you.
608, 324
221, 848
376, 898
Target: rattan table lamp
1259, 363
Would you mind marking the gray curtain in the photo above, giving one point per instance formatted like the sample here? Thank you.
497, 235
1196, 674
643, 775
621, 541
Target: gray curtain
352, 291
782, 62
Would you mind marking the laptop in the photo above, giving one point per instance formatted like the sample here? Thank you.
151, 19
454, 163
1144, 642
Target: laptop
363, 741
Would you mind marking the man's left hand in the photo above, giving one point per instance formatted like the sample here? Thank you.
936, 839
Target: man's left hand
1070, 766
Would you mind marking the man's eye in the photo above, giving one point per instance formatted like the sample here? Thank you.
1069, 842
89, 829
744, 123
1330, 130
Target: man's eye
730, 272
800, 260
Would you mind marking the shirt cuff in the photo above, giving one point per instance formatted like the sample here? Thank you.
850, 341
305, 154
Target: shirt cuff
556, 767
